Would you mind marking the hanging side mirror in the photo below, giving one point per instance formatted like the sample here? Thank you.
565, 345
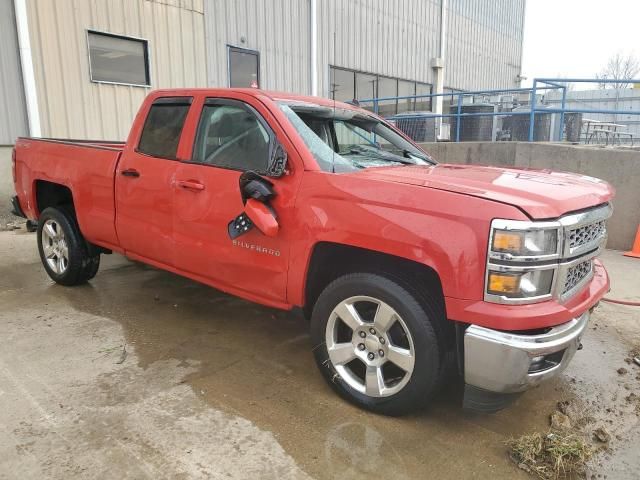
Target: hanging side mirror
256, 193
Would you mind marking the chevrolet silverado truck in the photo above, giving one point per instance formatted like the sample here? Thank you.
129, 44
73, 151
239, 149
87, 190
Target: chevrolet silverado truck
406, 269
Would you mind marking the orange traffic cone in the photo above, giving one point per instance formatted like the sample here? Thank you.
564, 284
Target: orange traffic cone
635, 251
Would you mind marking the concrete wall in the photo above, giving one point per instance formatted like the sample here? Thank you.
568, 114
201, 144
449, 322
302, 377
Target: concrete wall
621, 168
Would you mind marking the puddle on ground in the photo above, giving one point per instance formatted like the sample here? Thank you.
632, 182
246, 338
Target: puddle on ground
255, 363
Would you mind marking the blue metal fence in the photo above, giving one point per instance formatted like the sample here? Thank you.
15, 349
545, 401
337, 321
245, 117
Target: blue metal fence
540, 85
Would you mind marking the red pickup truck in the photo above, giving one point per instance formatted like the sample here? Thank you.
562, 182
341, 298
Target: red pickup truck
403, 266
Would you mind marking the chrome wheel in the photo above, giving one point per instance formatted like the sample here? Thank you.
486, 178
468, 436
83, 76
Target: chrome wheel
54, 246
370, 346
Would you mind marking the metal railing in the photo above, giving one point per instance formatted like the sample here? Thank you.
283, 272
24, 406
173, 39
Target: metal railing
527, 97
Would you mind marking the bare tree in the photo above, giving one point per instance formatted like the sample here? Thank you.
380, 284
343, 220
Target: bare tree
619, 67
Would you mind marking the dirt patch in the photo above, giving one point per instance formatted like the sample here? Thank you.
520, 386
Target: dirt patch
552, 455
583, 431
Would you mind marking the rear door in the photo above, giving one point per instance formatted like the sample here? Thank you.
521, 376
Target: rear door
233, 135
145, 180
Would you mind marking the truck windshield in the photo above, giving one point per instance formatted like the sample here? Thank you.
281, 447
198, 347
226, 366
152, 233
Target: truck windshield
343, 140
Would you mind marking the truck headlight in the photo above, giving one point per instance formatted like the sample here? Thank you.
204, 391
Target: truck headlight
521, 243
522, 260
523, 284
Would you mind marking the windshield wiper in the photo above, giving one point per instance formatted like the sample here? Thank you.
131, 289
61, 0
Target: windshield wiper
377, 154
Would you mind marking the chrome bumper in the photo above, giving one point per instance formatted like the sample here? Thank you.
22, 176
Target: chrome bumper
503, 362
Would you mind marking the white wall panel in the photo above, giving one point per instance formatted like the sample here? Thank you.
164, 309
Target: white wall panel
13, 114
70, 104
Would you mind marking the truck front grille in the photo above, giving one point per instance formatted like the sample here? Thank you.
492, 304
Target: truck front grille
575, 275
587, 234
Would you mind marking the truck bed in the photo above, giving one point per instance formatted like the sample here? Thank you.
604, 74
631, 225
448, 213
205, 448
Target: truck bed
87, 168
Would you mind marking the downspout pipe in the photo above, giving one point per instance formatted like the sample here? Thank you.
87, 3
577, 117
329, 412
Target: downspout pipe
438, 65
313, 20
443, 27
26, 62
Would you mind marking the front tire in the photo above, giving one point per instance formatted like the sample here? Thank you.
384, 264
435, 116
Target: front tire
63, 249
375, 344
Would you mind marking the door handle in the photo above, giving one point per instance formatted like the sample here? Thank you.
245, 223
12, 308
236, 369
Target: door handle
190, 185
130, 172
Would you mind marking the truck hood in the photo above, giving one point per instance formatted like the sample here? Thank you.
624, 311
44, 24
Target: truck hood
539, 193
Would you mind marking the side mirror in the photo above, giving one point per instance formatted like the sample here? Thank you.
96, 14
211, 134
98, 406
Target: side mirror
255, 214
262, 217
256, 193
254, 186
277, 166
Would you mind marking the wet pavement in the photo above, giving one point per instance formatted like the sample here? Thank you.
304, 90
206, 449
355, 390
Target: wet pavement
143, 374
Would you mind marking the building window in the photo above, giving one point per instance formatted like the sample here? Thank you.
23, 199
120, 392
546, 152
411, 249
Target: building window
346, 85
118, 59
423, 104
366, 86
343, 86
244, 68
406, 89
387, 87
163, 127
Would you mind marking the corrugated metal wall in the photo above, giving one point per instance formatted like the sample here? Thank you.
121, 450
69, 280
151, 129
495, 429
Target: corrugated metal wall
13, 114
72, 106
278, 29
392, 38
386, 37
396, 38
399, 39
484, 43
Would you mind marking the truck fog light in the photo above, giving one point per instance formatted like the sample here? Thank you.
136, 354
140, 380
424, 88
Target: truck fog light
545, 362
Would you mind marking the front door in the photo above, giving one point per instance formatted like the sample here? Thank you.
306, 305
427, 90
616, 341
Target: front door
232, 137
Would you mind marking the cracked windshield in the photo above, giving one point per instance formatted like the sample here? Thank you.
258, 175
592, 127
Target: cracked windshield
343, 140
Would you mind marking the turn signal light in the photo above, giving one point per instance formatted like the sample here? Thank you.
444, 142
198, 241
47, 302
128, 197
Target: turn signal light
500, 283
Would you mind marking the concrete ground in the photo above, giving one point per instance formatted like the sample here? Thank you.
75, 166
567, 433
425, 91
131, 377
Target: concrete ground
143, 374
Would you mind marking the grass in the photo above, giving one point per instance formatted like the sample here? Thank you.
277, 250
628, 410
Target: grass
550, 456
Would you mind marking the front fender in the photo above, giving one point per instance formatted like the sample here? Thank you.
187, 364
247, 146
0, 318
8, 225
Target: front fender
445, 231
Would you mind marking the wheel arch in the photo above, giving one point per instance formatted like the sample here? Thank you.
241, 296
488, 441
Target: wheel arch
329, 261
51, 194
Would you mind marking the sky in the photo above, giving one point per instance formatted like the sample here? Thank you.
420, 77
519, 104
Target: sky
575, 38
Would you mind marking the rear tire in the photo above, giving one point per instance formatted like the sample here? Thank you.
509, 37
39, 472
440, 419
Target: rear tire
63, 250
394, 364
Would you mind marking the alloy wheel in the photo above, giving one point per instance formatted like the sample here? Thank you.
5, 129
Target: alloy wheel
370, 346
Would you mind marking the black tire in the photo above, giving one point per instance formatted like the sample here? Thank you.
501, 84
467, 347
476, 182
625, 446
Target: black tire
81, 266
417, 316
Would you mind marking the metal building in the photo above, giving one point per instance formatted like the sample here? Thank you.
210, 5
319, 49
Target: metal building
80, 69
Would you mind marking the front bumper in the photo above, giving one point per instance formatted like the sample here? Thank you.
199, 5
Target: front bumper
503, 363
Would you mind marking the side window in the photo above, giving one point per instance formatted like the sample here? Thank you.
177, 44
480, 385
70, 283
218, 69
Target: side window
232, 136
163, 127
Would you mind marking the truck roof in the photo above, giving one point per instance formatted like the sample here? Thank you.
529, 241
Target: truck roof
255, 92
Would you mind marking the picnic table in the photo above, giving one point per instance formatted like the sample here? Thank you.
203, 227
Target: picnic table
605, 132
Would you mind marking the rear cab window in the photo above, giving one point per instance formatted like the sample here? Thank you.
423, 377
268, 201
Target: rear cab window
163, 126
